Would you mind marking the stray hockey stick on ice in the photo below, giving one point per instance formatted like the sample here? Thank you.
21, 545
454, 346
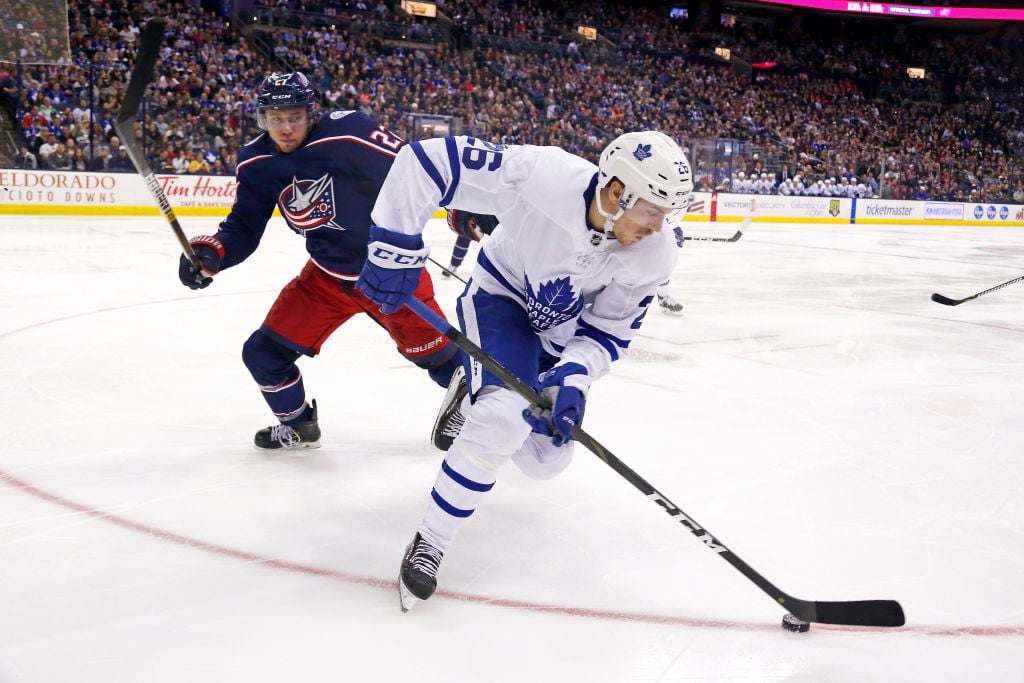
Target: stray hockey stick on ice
734, 238
852, 613
142, 74
946, 301
447, 270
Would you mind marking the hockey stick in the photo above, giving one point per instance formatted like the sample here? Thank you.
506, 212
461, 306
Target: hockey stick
142, 74
447, 270
734, 238
945, 300
851, 613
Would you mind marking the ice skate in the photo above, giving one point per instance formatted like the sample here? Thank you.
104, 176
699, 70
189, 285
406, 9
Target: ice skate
303, 435
669, 305
417, 579
450, 418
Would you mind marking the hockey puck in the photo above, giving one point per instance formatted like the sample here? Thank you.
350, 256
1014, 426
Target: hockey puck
791, 623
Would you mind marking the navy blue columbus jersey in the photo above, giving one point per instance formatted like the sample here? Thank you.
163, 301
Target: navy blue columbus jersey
325, 190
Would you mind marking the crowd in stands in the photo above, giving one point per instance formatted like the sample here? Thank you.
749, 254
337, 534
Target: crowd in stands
836, 110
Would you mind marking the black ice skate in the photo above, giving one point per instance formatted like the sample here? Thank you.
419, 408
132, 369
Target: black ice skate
417, 579
450, 418
304, 435
669, 305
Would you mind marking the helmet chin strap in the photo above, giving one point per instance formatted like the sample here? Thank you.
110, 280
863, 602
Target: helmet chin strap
609, 218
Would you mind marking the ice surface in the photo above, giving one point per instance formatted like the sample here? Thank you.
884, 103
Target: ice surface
843, 434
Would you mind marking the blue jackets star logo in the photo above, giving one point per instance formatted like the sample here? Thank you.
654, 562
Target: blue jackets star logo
309, 204
642, 152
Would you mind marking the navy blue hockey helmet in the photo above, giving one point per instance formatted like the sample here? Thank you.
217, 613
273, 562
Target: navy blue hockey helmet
284, 91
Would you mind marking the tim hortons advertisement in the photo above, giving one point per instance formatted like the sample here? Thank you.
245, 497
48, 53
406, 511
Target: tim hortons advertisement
111, 193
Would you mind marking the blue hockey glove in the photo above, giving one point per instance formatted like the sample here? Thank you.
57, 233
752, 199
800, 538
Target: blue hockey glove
209, 252
394, 265
471, 225
565, 387
680, 238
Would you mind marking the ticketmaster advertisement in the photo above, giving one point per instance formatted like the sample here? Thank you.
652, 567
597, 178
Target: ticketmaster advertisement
725, 207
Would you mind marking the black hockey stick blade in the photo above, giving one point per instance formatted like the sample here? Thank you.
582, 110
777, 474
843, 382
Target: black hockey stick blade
946, 301
142, 75
886, 613
150, 40
853, 613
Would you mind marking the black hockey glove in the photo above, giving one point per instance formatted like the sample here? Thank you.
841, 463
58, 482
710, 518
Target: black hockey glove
209, 252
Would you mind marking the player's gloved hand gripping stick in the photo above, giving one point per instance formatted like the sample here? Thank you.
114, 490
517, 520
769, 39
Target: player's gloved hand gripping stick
564, 388
394, 266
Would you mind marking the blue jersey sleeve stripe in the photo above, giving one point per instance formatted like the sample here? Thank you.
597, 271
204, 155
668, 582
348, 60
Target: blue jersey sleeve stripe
465, 482
428, 166
485, 263
453, 164
608, 342
448, 507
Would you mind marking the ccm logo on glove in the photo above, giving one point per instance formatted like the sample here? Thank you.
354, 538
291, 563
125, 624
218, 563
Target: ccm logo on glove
383, 256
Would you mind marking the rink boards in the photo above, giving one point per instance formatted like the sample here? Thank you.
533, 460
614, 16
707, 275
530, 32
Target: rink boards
53, 192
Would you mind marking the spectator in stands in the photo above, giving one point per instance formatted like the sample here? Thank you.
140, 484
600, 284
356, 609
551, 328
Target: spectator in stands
197, 164
78, 160
26, 159
850, 121
180, 162
46, 149
101, 161
121, 163
59, 160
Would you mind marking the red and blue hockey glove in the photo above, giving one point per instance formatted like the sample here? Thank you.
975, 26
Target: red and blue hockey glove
471, 225
565, 387
394, 265
209, 252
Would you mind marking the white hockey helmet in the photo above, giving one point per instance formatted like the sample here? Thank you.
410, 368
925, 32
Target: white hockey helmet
651, 166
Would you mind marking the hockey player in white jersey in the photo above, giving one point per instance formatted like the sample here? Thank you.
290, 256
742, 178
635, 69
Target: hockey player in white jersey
557, 294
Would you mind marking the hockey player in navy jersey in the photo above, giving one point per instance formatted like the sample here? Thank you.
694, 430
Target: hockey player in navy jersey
323, 172
559, 290
468, 228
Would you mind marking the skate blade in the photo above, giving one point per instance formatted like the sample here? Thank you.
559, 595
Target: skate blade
293, 451
405, 598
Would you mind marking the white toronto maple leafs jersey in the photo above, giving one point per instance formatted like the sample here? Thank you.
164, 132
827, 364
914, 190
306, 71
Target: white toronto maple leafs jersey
585, 294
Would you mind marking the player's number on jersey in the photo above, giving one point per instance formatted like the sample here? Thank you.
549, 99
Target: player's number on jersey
382, 137
644, 304
479, 153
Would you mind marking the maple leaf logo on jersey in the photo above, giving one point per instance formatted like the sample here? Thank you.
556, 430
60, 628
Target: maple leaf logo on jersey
642, 152
309, 204
553, 304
